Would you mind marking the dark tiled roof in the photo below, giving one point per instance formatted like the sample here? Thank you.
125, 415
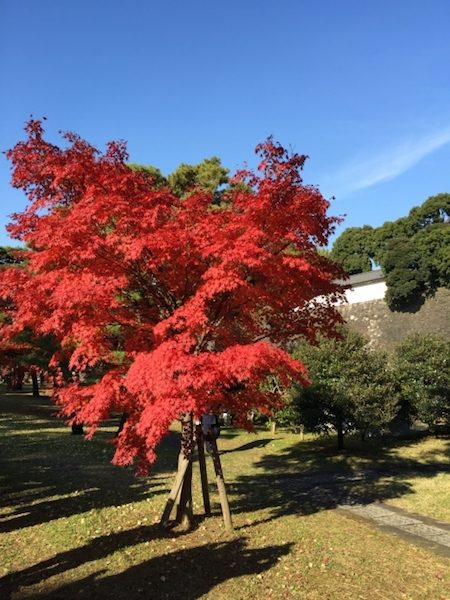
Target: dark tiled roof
363, 278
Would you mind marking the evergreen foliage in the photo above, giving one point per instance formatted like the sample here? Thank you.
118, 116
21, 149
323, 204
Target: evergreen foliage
352, 387
413, 251
422, 364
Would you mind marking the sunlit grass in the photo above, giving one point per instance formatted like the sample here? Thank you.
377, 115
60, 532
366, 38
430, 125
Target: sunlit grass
74, 526
430, 497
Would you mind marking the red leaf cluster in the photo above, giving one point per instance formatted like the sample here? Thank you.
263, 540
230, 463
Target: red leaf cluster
176, 305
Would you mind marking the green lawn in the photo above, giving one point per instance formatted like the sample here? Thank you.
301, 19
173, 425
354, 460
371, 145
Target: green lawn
412, 474
74, 526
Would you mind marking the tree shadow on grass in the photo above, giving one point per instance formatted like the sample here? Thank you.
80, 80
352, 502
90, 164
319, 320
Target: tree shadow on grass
98, 548
47, 473
327, 478
228, 433
259, 443
186, 574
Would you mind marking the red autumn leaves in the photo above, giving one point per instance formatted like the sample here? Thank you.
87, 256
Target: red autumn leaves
164, 305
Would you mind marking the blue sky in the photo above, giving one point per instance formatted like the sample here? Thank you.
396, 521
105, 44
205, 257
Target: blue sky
363, 88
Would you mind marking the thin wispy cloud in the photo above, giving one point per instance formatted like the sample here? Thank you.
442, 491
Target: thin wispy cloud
386, 166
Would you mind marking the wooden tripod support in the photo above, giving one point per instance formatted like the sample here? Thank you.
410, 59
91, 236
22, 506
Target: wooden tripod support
181, 493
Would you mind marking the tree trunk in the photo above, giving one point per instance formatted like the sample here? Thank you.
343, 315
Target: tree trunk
184, 508
302, 433
34, 381
340, 433
17, 378
122, 422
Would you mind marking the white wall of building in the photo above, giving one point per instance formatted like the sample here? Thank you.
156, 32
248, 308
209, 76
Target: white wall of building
365, 293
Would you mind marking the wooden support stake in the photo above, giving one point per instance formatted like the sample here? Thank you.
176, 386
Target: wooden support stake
178, 496
184, 514
183, 465
203, 472
181, 492
183, 498
221, 486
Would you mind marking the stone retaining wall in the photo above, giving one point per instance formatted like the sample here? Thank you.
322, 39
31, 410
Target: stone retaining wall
385, 328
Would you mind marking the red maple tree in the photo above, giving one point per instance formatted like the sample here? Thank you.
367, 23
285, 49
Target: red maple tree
164, 306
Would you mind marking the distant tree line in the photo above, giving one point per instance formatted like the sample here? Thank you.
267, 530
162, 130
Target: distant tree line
413, 251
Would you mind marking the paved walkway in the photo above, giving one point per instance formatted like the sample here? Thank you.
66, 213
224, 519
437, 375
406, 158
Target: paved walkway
347, 492
420, 530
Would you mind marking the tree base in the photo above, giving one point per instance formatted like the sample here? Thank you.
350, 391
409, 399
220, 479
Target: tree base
180, 496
